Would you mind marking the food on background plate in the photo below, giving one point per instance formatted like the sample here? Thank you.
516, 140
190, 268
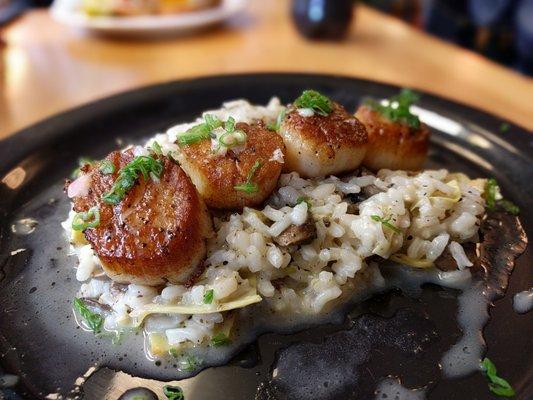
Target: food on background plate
284, 247
144, 7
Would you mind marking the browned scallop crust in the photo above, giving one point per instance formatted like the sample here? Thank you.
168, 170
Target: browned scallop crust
157, 233
215, 176
393, 145
321, 145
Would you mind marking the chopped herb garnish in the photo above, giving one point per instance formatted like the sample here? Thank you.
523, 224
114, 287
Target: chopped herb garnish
173, 392
93, 320
509, 206
199, 132
208, 296
249, 186
82, 161
88, 219
189, 363
492, 190
233, 138
229, 126
398, 108
314, 100
504, 127
127, 176
304, 200
386, 222
156, 148
275, 126
498, 386
220, 339
107, 167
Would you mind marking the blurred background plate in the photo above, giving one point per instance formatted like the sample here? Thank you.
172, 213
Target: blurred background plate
69, 12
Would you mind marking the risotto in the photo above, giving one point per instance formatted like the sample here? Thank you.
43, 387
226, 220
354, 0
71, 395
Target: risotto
314, 244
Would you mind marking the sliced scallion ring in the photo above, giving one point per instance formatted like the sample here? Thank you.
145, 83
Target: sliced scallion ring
88, 219
230, 139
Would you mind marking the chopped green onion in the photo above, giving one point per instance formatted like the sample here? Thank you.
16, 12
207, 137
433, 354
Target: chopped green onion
398, 108
189, 363
82, 161
127, 177
492, 190
249, 186
173, 392
107, 167
314, 100
275, 126
386, 223
509, 206
220, 339
231, 139
208, 296
156, 148
498, 386
93, 320
504, 127
199, 132
212, 121
88, 219
229, 126
304, 200
193, 135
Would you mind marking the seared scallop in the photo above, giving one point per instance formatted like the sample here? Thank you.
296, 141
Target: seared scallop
319, 144
154, 231
238, 175
401, 144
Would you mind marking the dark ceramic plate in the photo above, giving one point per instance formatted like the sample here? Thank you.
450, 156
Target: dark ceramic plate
43, 347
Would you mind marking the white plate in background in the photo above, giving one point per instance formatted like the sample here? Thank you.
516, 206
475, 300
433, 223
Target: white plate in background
69, 12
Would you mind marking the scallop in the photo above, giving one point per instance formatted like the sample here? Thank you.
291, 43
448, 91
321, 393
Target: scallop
393, 145
319, 145
222, 177
156, 233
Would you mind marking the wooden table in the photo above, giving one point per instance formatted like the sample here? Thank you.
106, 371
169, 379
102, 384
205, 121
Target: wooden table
46, 67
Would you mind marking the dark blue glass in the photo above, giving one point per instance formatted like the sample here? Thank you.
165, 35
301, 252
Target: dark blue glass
322, 19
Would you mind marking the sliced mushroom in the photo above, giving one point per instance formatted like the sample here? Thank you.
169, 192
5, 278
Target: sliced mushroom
295, 235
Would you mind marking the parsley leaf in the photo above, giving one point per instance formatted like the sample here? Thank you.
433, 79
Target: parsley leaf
319, 103
498, 386
93, 320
